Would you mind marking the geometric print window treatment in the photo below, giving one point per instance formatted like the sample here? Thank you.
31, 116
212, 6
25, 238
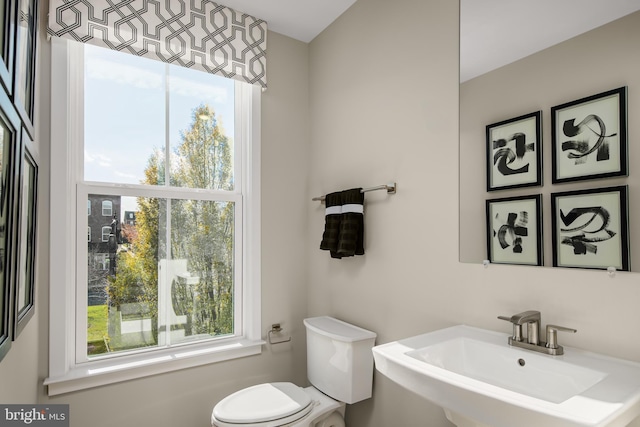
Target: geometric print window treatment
191, 33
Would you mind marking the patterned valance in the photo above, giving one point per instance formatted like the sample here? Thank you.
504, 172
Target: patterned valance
191, 33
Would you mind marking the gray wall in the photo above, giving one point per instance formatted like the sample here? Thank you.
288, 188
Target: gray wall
384, 107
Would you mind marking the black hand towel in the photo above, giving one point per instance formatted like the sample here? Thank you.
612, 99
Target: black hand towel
333, 216
351, 237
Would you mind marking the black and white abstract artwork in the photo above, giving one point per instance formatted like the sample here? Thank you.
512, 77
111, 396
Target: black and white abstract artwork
590, 228
514, 230
589, 137
514, 153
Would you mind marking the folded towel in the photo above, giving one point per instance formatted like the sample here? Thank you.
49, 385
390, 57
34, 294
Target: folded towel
333, 216
351, 237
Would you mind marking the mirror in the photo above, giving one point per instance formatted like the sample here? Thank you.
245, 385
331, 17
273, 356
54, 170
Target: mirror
517, 61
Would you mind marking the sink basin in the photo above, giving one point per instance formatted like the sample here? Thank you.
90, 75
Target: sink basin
480, 380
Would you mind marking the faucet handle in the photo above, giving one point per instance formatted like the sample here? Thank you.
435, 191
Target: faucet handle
517, 329
552, 335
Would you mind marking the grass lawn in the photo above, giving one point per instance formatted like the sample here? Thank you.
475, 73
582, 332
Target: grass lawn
96, 328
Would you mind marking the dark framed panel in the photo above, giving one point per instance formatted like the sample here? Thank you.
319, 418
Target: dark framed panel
514, 230
589, 137
9, 147
7, 38
590, 228
25, 62
514, 152
24, 295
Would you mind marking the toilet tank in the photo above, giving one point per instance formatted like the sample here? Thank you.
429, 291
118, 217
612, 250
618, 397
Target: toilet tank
339, 358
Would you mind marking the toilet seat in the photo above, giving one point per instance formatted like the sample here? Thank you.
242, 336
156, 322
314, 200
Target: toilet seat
263, 405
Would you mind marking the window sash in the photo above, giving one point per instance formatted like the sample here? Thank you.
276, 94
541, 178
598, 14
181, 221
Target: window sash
107, 208
108, 230
66, 374
160, 192
84, 190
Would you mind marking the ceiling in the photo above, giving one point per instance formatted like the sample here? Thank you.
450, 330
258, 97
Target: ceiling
493, 32
299, 19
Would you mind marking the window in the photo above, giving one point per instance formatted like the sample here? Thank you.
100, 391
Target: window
101, 262
106, 231
107, 205
89, 209
89, 234
176, 274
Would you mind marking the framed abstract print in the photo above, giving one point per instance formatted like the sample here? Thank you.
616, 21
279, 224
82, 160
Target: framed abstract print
25, 61
514, 153
24, 296
9, 144
589, 137
7, 27
590, 228
514, 230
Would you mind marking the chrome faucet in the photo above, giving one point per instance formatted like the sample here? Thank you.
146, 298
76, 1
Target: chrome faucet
532, 319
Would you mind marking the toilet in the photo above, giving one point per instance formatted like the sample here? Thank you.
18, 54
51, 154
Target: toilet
339, 367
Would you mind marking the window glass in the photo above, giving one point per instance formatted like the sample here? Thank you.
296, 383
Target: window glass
164, 272
106, 231
124, 114
136, 109
107, 207
201, 129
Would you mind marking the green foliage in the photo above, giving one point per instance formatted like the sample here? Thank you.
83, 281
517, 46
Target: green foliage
204, 158
202, 232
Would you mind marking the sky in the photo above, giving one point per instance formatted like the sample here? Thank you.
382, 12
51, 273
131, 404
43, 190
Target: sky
125, 111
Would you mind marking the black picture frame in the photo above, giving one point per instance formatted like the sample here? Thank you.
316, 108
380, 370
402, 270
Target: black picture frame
514, 152
591, 228
24, 295
7, 43
589, 137
9, 148
514, 230
26, 24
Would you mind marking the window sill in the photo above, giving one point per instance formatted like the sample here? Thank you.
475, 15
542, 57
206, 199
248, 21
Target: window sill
126, 368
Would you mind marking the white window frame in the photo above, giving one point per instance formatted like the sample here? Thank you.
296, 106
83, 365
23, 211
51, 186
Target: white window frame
109, 205
108, 232
66, 374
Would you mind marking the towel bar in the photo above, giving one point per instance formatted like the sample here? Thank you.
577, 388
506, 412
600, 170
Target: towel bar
391, 189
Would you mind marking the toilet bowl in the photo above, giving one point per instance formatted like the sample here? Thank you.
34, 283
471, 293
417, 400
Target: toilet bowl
278, 405
339, 368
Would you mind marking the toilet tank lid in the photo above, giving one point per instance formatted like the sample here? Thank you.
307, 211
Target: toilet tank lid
337, 329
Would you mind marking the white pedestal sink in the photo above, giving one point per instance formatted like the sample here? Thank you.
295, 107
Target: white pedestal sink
481, 381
